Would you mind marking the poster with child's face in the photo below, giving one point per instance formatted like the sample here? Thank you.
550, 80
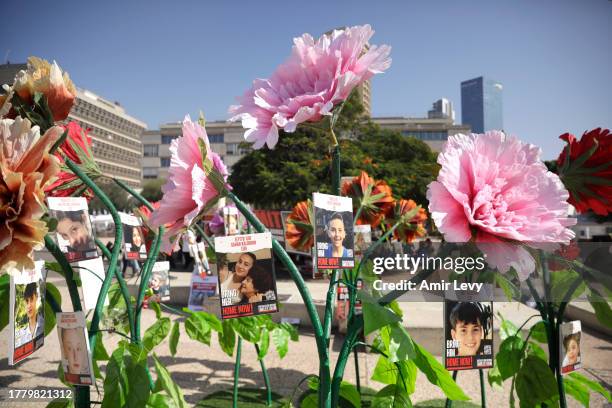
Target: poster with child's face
231, 220
74, 234
468, 328
159, 282
333, 231
569, 347
246, 275
363, 239
26, 312
133, 238
74, 344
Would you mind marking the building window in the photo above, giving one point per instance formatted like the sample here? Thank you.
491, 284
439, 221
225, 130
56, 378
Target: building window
167, 139
165, 162
232, 148
216, 138
149, 172
426, 135
151, 150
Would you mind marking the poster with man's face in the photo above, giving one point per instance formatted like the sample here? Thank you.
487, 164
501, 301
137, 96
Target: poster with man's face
74, 345
569, 346
468, 328
333, 231
245, 268
74, 234
133, 237
26, 312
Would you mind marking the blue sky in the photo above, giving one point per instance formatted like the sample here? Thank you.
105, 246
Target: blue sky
163, 59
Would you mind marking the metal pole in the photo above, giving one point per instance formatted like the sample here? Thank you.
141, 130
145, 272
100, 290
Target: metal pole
237, 372
449, 402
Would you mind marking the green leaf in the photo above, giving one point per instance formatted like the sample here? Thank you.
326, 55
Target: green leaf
157, 308
403, 373
61, 403
212, 320
349, 392
293, 333
391, 396
4, 305
280, 338
100, 353
398, 342
437, 374
507, 329
165, 382
227, 337
593, 385
116, 382
538, 332
247, 328
264, 343
495, 378
577, 390
535, 383
174, 338
561, 281
375, 316
310, 401
509, 356
385, 371
509, 288
159, 400
535, 350
602, 309
197, 328
156, 333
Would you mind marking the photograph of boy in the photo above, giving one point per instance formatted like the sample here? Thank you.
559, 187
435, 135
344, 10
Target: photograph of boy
75, 236
159, 284
469, 333
336, 234
75, 355
333, 216
35, 323
570, 346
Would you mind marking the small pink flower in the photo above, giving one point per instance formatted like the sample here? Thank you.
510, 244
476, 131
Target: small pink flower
316, 77
196, 180
493, 189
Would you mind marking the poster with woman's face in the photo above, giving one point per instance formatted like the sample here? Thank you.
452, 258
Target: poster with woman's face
74, 345
247, 283
468, 328
569, 346
26, 312
333, 231
73, 233
133, 238
363, 239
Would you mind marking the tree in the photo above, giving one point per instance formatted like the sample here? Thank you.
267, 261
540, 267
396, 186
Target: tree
151, 190
301, 162
116, 194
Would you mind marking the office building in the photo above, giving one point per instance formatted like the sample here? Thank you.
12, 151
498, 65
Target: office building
481, 104
434, 132
442, 109
224, 137
115, 134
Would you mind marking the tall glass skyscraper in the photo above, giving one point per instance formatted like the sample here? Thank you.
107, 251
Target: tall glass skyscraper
481, 104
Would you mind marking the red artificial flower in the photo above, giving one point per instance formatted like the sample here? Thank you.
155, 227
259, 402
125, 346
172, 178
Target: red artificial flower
299, 229
373, 196
76, 147
411, 219
567, 252
587, 171
145, 213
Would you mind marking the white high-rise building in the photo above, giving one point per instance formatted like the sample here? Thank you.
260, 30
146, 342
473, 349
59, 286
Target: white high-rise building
442, 109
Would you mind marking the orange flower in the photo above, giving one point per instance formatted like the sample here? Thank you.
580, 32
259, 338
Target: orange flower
375, 198
46, 78
411, 220
299, 228
26, 168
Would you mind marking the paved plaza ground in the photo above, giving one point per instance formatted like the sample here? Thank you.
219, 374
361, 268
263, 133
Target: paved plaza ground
201, 370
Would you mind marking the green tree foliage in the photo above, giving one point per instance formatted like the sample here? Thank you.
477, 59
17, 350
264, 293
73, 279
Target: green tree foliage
116, 194
301, 162
151, 190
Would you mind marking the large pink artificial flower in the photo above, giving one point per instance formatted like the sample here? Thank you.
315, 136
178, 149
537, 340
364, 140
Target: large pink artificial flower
493, 189
196, 180
317, 76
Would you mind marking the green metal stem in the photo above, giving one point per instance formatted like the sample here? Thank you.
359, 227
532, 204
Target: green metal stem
265, 377
237, 372
483, 393
125, 293
134, 194
349, 341
324, 370
357, 379
336, 169
206, 238
73, 290
144, 277
82, 397
329, 305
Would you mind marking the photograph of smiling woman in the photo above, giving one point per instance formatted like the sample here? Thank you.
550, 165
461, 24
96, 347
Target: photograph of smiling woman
74, 232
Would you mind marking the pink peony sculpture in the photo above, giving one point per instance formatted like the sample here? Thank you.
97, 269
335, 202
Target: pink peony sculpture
195, 183
493, 189
316, 77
